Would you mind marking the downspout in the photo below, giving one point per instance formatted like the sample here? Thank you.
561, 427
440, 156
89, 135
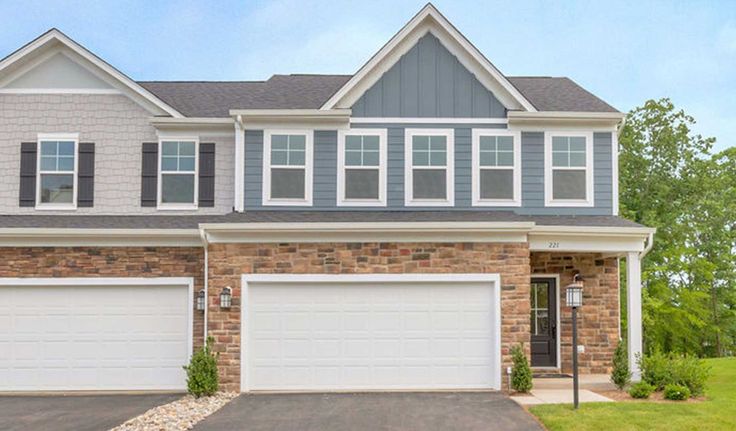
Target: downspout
648, 247
239, 180
203, 236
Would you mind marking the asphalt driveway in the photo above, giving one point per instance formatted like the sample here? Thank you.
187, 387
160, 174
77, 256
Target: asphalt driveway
74, 412
460, 411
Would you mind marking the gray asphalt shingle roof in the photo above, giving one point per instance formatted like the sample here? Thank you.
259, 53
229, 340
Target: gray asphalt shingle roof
193, 221
215, 99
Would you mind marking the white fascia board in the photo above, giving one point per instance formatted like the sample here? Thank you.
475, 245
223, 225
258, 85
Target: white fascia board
429, 19
593, 239
592, 121
298, 113
193, 121
53, 36
66, 237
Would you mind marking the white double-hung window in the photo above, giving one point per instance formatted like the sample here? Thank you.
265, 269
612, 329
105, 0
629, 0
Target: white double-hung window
57, 171
178, 169
496, 167
569, 169
361, 171
287, 167
429, 174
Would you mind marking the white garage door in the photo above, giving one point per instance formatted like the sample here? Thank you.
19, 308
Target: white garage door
347, 333
93, 337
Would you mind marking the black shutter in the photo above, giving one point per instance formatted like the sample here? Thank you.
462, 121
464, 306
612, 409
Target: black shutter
206, 175
86, 175
149, 175
28, 174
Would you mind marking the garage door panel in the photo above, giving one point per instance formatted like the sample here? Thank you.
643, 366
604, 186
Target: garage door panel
94, 337
345, 336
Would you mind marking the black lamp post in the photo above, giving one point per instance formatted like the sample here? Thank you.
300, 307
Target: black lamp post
575, 299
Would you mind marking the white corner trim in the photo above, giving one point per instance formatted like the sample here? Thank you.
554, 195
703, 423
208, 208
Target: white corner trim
614, 172
382, 167
160, 205
409, 167
589, 200
492, 278
477, 201
308, 168
429, 19
54, 36
239, 171
44, 137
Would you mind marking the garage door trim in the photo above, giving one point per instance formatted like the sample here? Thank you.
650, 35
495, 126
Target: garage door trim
115, 281
494, 280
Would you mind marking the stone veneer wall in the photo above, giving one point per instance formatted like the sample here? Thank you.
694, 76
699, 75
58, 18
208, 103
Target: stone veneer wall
598, 319
227, 262
108, 262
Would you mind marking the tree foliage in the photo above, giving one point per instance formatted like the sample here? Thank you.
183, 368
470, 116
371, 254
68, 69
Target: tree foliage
670, 180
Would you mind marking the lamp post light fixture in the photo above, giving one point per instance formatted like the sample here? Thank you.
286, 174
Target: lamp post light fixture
200, 300
574, 293
226, 297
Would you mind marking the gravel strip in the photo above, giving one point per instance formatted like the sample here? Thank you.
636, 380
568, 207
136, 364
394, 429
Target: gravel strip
179, 415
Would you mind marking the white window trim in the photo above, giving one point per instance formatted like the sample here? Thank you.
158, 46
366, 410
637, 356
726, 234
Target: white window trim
308, 167
382, 171
589, 200
409, 200
57, 137
516, 200
178, 206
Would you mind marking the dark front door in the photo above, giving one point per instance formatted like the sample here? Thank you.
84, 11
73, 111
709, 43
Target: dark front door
544, 322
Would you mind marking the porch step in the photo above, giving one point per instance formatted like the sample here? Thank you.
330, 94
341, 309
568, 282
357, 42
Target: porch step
600, 382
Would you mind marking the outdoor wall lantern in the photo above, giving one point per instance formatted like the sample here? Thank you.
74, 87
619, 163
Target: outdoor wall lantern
200, 300
226, 297
574, 293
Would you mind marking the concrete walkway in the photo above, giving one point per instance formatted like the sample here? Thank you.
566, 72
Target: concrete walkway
558, 396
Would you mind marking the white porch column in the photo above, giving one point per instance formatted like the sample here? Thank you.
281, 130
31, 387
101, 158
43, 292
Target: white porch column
239, 196
633, 308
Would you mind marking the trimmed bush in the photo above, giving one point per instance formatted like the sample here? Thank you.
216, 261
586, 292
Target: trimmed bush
660, 369
620, 373
676, 392
641, 390
521, 374
202, 377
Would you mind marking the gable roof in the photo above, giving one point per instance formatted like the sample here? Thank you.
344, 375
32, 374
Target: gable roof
429, 19
216, 99
55, 40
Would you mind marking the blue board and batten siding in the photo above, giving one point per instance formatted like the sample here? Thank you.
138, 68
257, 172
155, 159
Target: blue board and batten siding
428, 81
532, 164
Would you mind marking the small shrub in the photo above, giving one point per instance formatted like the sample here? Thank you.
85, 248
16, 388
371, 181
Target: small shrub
202, 377
655, 369
676, 392
641, 390
620, 374
521, 374
660, 369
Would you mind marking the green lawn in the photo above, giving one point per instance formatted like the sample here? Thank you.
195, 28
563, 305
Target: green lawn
718, 412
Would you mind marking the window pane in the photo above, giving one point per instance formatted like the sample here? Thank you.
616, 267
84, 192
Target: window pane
577, 143
186, 148
430, 184
66, 164
496, 184
48, 163
57, 188
278, 157
169, 148
542, 291
420, 158
505, 143
353, 142
48, 148
168, 163
296, 157
370, 158
505, 158
177, 189
438, 143
370, 143
542, 322
66, 148
560, 159
186, 164
487, 158
420, 143
297, 142
577, 159
568, 184
287, 183
559, 143
361, 184
279, 142
352, 158
438, 158
487, 143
